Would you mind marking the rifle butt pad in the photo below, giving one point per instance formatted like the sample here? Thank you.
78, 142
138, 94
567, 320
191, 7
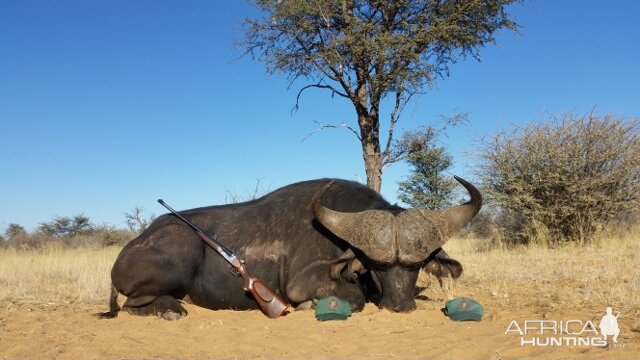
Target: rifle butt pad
271, 304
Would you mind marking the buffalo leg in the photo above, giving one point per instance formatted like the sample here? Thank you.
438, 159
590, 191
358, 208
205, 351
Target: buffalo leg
314, 282
166, 307
443, 268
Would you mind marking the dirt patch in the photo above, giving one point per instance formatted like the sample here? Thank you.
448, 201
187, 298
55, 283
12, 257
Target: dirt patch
64, 333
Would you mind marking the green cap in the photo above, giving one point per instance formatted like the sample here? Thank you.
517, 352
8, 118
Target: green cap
332, 308
462, 308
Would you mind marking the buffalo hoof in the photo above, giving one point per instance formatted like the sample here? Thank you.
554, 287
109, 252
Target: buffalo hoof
165, 307
107, 315
171, 315
306, 305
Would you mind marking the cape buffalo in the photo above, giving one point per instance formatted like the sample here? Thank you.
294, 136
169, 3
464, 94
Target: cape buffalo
305, 241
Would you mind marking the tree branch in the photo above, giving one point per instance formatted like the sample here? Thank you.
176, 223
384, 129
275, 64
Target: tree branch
331, 73
319, 85
342, 125
387, 157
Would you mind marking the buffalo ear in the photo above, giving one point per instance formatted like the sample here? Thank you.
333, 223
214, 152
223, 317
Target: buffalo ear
347, 266
442, 266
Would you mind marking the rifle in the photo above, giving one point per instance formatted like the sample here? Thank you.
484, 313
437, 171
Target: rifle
270, 303
625, 308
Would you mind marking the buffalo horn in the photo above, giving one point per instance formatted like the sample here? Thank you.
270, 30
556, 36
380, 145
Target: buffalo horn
424, 231
371, 231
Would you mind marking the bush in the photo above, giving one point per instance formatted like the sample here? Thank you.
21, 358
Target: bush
98, 239
27, 241
66, 232
109, 236
563, 180
14, 230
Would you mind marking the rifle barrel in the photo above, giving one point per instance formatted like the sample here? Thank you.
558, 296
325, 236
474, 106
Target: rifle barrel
229, 254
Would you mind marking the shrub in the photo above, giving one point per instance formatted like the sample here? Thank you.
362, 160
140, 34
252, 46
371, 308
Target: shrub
26, 241
14, 230
564, 179
66, 232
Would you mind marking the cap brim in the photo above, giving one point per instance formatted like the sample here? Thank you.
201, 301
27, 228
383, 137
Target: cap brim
465, 317
331, 316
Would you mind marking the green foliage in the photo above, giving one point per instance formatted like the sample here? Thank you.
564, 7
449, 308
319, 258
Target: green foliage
563, 179
401, 43
365, 50
67, 227
426, 186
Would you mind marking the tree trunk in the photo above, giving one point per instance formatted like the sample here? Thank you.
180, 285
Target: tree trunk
369, 130
372, 166
367, 109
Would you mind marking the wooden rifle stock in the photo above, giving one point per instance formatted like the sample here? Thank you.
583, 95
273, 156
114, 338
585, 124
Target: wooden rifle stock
271, 304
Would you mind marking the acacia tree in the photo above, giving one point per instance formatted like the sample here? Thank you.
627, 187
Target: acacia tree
368, 50
66, 227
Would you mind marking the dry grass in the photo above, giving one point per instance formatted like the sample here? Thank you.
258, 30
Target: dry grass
55, 276
545, 279
537, 277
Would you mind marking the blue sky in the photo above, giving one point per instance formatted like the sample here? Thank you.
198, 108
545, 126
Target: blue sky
109, 105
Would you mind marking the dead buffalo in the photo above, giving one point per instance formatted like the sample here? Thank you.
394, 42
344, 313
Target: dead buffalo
305, 241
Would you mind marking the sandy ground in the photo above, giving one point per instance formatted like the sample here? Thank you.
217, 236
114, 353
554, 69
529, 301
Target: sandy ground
48, 332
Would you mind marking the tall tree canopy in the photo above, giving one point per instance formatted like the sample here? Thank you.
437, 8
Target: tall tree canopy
366, 50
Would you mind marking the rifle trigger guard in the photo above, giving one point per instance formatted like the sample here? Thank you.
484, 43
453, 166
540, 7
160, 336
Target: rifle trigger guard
234, 271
